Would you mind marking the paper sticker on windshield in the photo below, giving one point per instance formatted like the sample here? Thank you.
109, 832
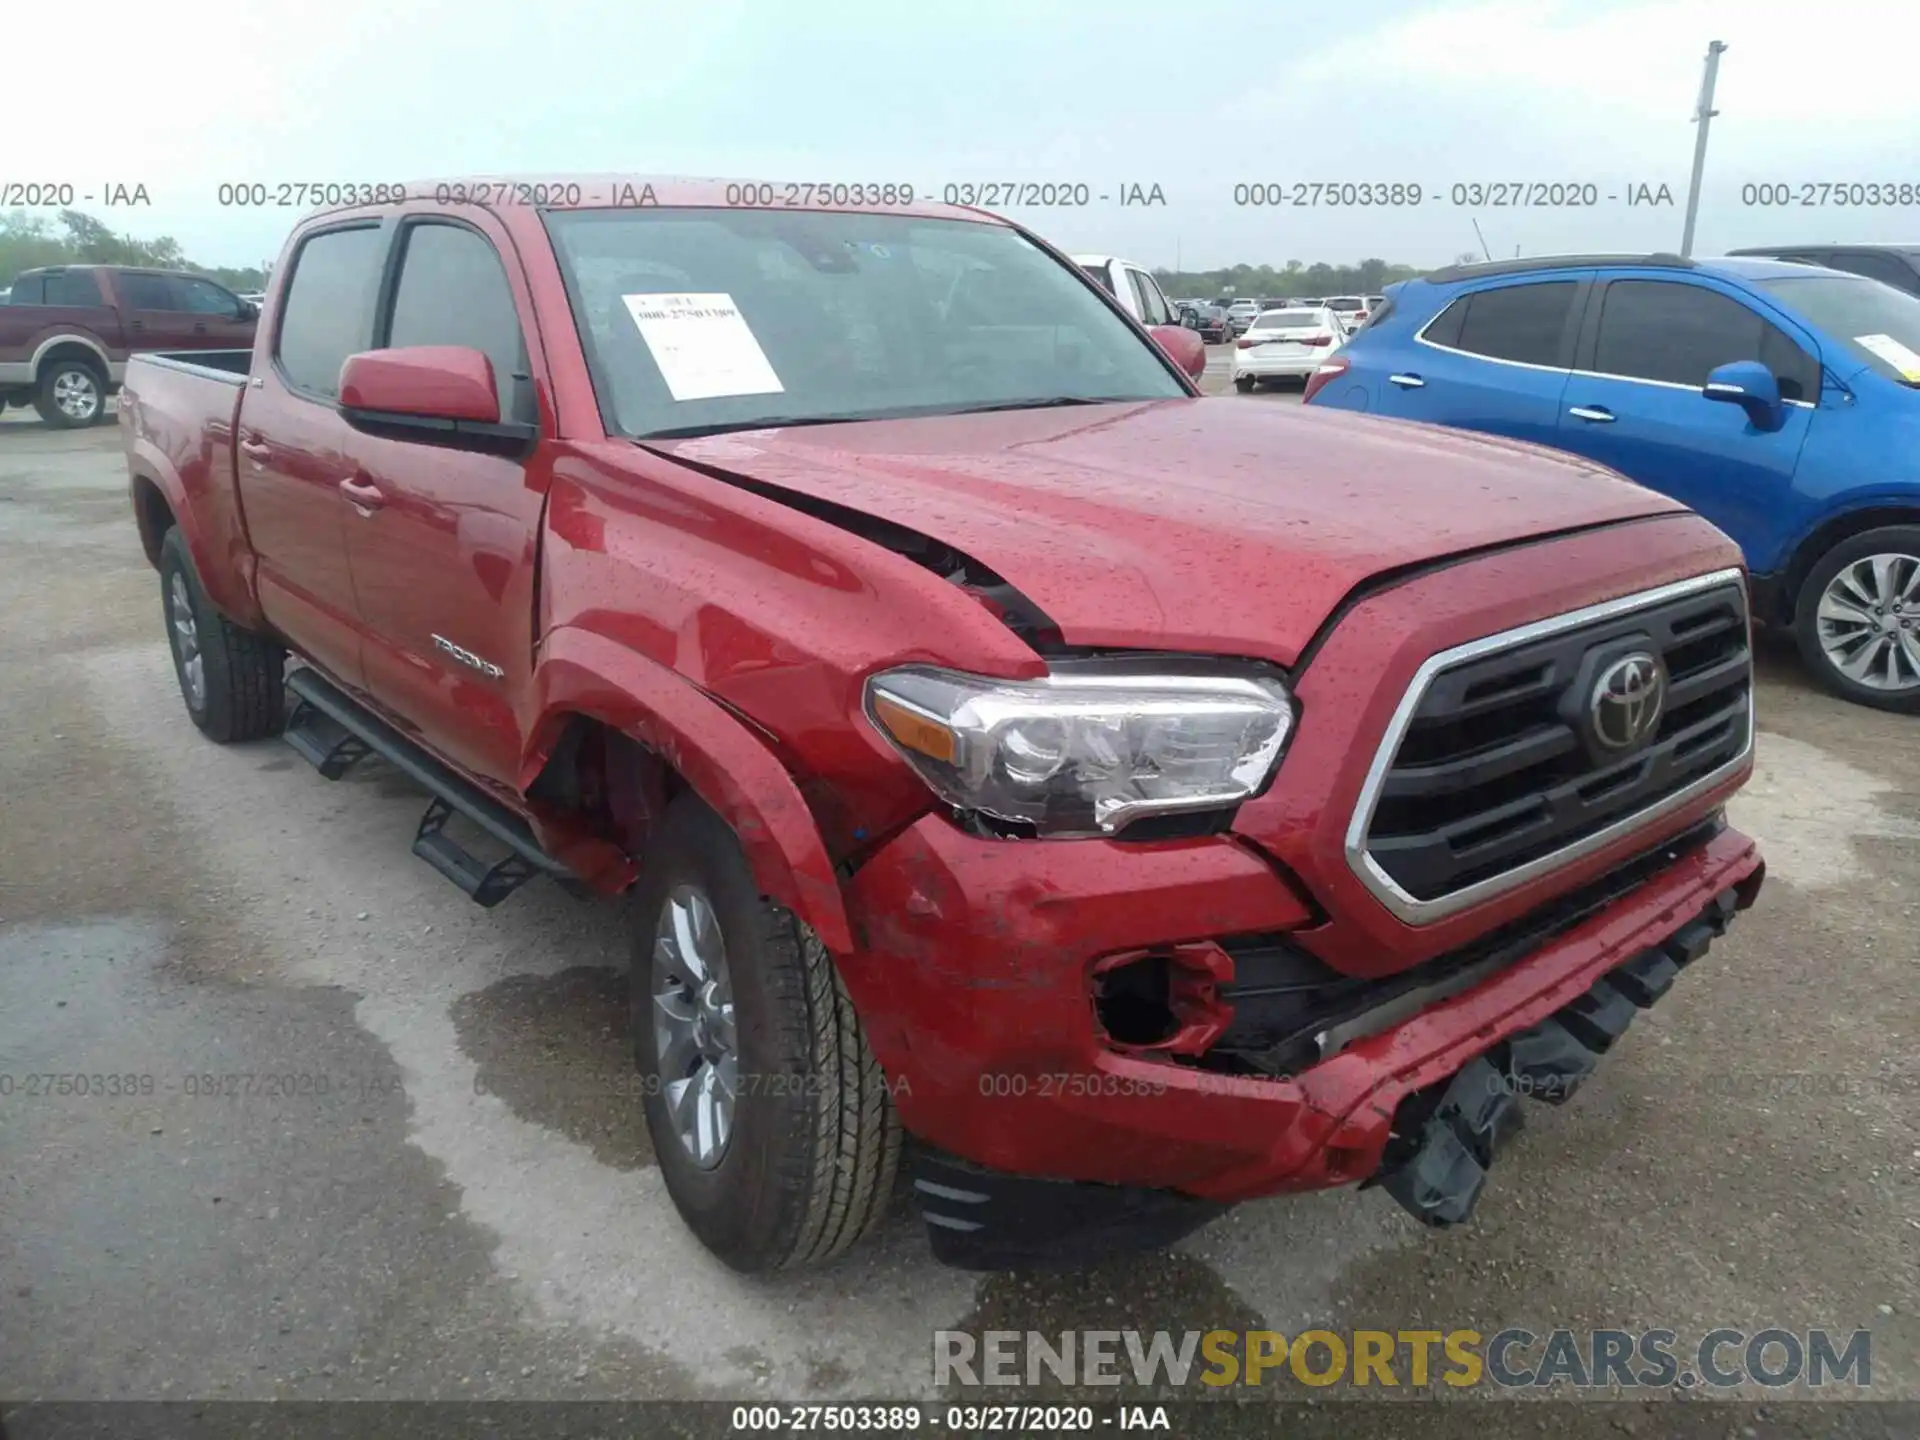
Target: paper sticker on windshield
1906, 361
703, 346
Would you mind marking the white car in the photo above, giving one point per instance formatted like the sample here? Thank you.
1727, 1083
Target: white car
1351, 309
1138, 292
1285, 345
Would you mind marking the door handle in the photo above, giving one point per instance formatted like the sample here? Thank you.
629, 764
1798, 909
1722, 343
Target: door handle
200, 328
255, 451
364, 494
1598, 414
136, 324
1407, 382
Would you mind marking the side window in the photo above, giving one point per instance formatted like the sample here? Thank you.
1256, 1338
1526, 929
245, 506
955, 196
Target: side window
73, 287
28, 290
453, 291
1677, 333
1883, 268
1444, 328
1522, 323
1153, 305
327, 312
144, 292
203, 297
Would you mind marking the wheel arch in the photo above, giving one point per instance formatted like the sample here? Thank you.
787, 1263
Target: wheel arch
1830, 532
69, 346
671, 735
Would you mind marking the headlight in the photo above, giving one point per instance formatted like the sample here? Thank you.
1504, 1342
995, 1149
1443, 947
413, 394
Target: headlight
1086, 750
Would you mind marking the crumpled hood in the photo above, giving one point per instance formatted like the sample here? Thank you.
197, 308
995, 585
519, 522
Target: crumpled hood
1222, 525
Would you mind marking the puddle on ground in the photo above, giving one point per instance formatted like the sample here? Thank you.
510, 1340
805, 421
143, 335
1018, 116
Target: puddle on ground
554, 1049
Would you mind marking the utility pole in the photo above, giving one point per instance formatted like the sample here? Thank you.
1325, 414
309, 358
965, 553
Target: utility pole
1703, 117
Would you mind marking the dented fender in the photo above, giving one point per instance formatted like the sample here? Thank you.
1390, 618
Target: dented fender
724, 761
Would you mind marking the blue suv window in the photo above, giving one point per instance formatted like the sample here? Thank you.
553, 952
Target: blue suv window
1676, 333
1523, 323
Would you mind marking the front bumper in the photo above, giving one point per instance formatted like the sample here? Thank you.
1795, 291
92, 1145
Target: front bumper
975, 976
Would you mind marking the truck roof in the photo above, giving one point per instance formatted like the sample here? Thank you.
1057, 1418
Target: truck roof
636, 191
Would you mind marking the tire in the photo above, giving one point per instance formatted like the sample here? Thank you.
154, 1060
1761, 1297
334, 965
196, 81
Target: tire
72, 394
1244, 384
1845, 582
808, 1163
241, 689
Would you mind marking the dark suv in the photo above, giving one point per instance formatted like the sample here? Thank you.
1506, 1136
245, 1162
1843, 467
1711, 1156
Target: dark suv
1895, 265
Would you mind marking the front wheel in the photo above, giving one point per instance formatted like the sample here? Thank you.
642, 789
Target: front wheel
1858, 619
1244, 384
772, 1122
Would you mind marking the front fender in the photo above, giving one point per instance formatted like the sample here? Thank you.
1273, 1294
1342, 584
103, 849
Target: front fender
728, 766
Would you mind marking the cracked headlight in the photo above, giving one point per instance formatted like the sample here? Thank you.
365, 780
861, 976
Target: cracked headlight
1084, 751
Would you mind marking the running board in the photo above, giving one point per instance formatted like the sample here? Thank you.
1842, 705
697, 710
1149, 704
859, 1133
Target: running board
334, 731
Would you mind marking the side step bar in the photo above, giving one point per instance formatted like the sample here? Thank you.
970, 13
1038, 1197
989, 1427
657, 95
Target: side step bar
334, 732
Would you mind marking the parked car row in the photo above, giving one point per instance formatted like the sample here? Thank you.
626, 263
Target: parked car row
1778, 398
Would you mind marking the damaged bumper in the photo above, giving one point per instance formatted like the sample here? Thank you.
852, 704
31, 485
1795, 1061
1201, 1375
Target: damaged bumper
982, 960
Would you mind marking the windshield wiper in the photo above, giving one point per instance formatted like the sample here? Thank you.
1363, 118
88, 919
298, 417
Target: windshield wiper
1052, 402
764, 422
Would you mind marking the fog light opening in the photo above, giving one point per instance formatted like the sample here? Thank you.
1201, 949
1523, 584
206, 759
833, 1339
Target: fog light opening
1164, 1001
1133, 1002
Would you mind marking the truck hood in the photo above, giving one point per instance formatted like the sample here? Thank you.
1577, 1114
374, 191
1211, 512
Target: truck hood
1222, 525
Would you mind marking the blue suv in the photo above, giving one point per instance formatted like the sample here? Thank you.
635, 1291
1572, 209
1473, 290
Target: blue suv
1779, 400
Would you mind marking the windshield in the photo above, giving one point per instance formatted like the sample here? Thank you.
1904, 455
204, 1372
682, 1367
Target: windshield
1879, 324
1346, 302
700, 320
1287, 320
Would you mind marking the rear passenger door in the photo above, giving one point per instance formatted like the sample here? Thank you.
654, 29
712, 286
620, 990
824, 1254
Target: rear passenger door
1635, 402
155, 314
292, 444
1495, 360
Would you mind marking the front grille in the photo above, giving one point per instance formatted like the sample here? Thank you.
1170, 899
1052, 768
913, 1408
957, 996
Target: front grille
1499, 766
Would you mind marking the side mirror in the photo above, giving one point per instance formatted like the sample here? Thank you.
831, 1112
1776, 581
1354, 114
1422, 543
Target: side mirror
1751, 386
248, 311
1183, 346
429, 394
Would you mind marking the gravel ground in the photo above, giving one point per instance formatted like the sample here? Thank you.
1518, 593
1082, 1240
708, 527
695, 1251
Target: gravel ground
453, 1219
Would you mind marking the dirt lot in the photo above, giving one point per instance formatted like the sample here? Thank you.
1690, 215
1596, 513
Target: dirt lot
453, 1219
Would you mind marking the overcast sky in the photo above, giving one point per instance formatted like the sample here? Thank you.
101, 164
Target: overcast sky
1195, 97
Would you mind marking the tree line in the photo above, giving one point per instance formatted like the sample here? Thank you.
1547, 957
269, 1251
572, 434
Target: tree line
28, 241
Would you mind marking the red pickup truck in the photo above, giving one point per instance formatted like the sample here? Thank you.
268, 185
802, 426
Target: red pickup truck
1106, 834
66, 332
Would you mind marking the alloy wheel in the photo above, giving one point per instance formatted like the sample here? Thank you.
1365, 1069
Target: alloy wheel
1869, 621
693, 1029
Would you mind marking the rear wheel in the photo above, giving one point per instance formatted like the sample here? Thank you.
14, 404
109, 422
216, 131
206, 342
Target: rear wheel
772, 1122
1244, 383
1858, 619
72, 394
231, 679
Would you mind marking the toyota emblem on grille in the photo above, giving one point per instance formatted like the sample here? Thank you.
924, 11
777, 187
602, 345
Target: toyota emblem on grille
1627, 699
